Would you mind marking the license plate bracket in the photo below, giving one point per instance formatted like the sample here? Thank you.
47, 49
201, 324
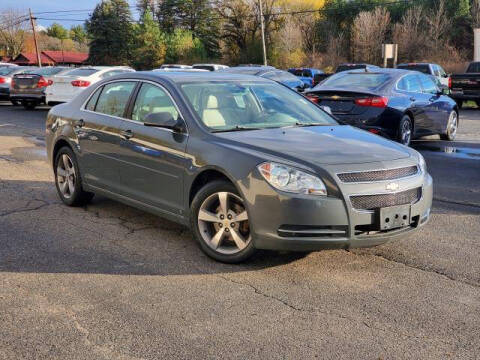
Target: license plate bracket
394, 217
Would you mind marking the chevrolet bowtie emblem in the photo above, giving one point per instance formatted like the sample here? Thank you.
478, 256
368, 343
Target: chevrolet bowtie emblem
335, 97
392, 186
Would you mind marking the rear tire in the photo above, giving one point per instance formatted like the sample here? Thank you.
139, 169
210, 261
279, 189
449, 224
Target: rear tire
452, 126
405, 130
15, 102
219, 222
29, 105
68, 180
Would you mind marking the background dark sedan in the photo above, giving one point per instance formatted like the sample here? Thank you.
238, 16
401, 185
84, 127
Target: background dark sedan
269, 72
397, 104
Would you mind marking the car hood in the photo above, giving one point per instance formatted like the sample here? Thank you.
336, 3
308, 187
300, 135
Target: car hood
319, 145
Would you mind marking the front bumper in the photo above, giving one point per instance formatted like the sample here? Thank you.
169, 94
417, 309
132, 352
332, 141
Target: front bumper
39, 98
308, 223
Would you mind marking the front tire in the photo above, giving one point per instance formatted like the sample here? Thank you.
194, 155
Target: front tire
219, 221
405, 129
29, 105
452, 127
68, 180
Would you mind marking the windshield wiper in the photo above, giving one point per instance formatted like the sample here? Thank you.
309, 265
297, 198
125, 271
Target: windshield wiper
309, 124
236, 128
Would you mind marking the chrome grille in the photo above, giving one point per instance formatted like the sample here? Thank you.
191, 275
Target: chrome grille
378, 175
372, 202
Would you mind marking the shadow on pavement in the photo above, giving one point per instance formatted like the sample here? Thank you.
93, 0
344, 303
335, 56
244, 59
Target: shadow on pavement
38, 234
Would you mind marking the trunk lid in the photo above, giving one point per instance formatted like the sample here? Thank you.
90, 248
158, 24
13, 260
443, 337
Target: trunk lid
342, 102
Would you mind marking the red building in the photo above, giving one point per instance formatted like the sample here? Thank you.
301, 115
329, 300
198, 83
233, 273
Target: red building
50, 58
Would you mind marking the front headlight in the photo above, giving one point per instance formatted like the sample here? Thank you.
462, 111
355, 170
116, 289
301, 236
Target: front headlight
422, 163
286, 178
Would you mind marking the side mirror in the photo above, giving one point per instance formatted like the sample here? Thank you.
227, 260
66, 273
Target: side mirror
445, 76
164, 120
443, 90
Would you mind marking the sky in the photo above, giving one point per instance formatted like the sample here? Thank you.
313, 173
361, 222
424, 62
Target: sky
39, 6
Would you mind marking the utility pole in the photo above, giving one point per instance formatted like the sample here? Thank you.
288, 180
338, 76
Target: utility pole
263, 35
39, 61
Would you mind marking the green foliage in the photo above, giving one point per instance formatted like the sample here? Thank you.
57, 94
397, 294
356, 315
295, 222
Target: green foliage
149, 46
78, 34
183, 47
197, 16
57, 31
111, 32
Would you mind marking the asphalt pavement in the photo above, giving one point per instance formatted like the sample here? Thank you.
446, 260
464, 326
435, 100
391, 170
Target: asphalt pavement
107, 281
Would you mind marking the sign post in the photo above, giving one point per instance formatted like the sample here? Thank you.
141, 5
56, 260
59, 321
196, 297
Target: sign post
389, 51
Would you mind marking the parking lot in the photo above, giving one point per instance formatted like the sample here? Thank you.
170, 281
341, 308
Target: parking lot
111, 282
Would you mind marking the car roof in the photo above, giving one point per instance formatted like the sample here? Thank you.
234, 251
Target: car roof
416, 63
183, 76
394, 72
252, 70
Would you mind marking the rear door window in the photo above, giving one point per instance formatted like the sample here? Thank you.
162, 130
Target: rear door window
428, 85
114, 98
410, 83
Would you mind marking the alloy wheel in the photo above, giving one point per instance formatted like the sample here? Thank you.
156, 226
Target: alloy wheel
406, 133
66, 177
223, 223
452, 125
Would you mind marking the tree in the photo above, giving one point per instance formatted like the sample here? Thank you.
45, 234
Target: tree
12, 32
149, 49
111, 32
368, 34
78, 34
57, 31
183, 47
410, 36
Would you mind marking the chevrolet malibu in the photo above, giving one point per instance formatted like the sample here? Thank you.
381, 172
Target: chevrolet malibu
246, 163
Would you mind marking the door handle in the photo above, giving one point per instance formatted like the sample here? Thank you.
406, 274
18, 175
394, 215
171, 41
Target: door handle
79, 123
127, 134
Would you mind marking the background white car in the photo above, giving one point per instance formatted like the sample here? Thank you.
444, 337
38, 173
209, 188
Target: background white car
65, 87
434, 70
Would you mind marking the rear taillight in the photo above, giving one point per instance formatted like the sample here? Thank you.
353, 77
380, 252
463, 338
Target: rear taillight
377, 101
50, 82
2, 80
449, 82
12, 83
42, 82
312, 98
80, 83
374, 131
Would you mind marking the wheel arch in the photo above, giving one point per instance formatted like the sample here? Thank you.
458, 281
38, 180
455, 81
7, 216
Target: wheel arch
204, 177
58, 145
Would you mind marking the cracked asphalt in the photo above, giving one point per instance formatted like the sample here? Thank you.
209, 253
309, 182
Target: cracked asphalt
111, 282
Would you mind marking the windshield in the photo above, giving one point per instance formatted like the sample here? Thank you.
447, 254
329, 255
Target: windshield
8, 70
474, 67
46, 71
244, 105
415, 67
82, 72
302, 72
341, 68
360, 80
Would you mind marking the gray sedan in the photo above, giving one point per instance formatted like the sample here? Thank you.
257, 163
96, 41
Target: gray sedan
245, 162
